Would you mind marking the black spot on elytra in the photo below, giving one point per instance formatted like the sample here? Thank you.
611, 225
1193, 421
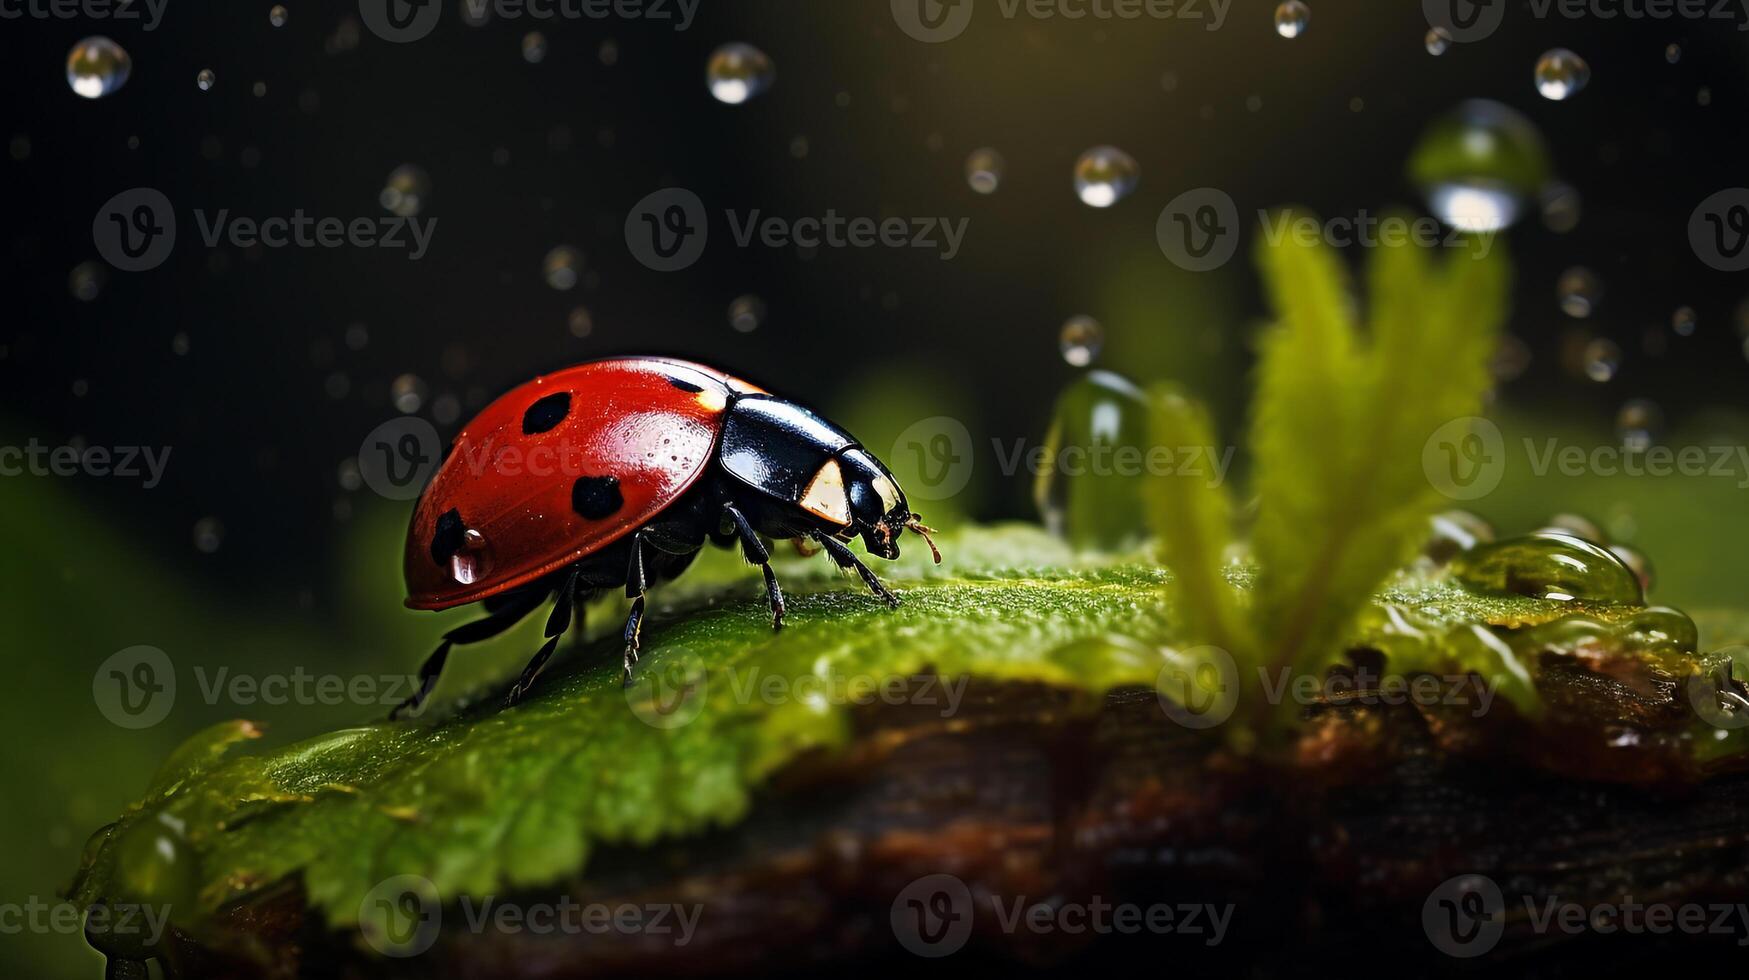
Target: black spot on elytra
685, 385
447, 539
543, 415
596, 497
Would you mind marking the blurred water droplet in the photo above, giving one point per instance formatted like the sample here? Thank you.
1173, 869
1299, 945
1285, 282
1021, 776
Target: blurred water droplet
1579, 292
1703, 96
1602, 359
1477, 164
1639, 423
984, 170
205, 79
1637, 563
209, 534
1080, 340
408, 393
1683, 321
259, 89
737, 72
534, 47
798, 147
746, 313
357, 336
1510, 359
278, 15
1437, 41
1561, 207
1105, 175
1455, 532
406, 190
562, 267
179, 344
473, 560
580, 323
98, 66
1291, 18
608, 53
1673, 53
86, 281
348, 474
446, 409
1561, 74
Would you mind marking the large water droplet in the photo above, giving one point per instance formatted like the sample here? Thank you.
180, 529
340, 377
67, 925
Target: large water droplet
1105, 175
1579, 291
737, 72
984, 169
1087, 491
1477, 164
1080, 340
406, 190
98, 66
1437, 41
562, 267
1291, 18
1560, 74
746, 313
472, 561
1549, 565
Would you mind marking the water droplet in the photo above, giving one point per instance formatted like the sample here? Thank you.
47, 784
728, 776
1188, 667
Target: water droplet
1105, 175
154, 867
1672, 53
1637, 563
86, 281
737, 72
1579, 292
984, 169
1561, 207
1437, 41
1575, 525
473, 560
1455, 532
1477, 164
259, 89
209, 534
357, 336
277, 16
608, 53
1291, 18
1080, 340
1560, 74
1094, 504
1549, 565
1638, 423
98, 66
534, 47
205, 79
1510, 359
1683, 321
407, 392
1601, 359
746, 313
580, 323
406, 190
562, 267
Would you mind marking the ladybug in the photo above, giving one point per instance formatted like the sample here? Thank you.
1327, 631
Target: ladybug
615, 473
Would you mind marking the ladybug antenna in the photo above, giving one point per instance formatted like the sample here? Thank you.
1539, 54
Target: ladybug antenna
923, 531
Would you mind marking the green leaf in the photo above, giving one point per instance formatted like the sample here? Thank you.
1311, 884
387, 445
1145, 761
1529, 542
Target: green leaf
1340, 421
520, 797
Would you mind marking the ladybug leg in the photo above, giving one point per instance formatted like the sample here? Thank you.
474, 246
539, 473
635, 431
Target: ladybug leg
755, 552
557, 622
636, 585
845, 558
506, 616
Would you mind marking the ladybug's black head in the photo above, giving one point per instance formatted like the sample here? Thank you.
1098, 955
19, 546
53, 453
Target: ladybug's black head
878, 510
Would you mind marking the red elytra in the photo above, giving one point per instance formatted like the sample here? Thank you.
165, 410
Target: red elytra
627, 417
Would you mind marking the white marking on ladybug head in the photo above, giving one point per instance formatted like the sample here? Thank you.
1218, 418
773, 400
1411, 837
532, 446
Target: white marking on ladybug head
825, 497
